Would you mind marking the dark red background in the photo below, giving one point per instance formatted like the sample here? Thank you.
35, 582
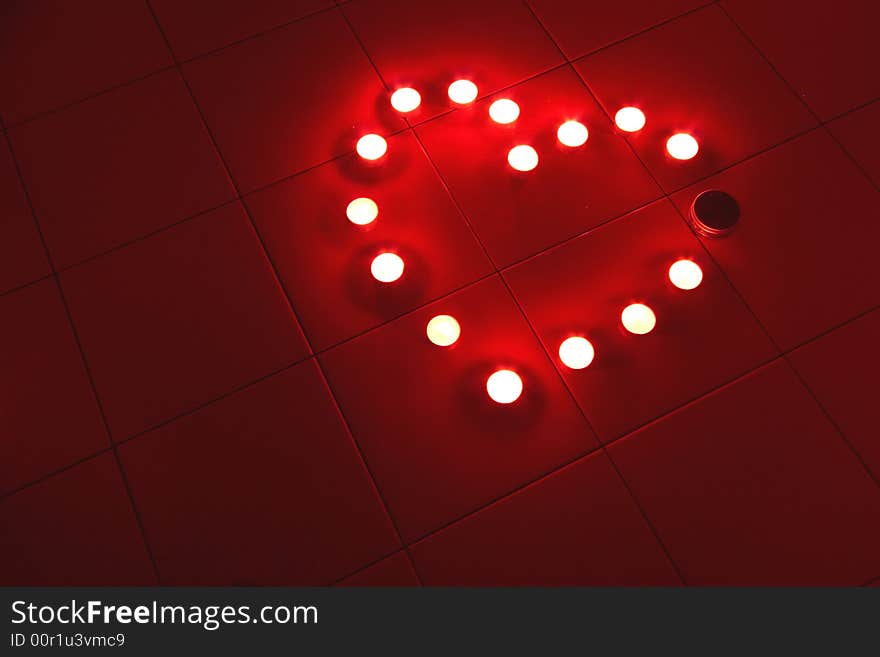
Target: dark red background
201, 384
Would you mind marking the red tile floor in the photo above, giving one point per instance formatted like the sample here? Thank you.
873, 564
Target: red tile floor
200, 383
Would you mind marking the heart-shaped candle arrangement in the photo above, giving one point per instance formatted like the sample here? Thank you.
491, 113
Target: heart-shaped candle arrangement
505, 386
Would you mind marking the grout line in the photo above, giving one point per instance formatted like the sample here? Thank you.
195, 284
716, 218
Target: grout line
311, 167
854, 108
459, 209
30, 204
824, 332
367, 566
84, 99
483, 96
628, 37
160, 425
146, 236
53, 473
407, 313
215, 400
250, 37
743, 160
19, 288
546, 30
593, 450
833, 422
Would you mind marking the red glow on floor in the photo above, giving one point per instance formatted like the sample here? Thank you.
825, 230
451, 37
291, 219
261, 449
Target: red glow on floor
374, 284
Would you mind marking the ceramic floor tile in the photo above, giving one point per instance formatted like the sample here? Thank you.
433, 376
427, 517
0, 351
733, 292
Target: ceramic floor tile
841, 369
53, 52
802, 252
859, 132
181, 318
89, 507
752, 486
49, 414
22, 257
118, 167
826, 53
236, 493
703, 337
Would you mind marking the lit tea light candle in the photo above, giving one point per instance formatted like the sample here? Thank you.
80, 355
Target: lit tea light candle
462, 92
685, 274
371, 147
443, 330
522, 158
630, 119
405, 99
572, 134
637, 318
576, 353
682, 146
387, 267
504, 386
362, 211
504, 111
